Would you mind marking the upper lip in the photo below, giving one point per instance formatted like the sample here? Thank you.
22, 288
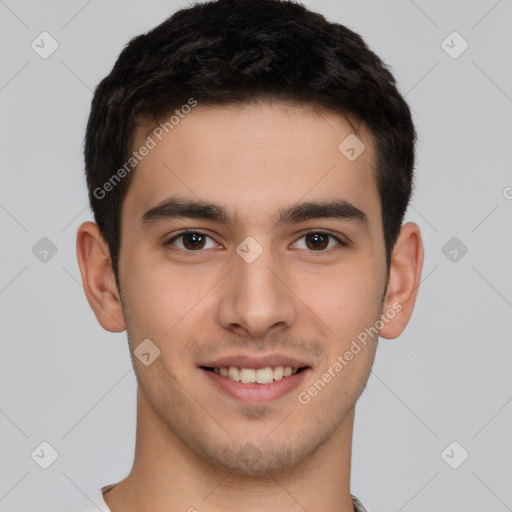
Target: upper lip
245, 361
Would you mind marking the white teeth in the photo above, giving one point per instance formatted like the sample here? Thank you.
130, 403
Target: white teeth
234, 373
264, 375
260, 375
278, 373
247, 375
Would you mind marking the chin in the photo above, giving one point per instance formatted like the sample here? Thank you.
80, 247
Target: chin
259, 458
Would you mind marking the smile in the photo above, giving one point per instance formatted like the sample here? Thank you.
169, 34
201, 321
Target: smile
255, 385
255, 375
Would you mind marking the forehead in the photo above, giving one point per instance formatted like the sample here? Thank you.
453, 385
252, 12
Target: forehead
254, 157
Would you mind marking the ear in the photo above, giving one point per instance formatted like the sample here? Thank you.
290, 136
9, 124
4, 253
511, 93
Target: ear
404, 280
98, 277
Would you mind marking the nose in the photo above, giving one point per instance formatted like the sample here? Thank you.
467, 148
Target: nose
256, 300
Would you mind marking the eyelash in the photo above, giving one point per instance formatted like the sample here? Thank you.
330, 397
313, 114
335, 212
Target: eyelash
199, 251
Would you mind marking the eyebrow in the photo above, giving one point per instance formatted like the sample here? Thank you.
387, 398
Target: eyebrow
176, 207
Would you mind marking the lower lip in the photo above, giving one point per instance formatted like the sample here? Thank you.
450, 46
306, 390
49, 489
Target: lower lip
256, 393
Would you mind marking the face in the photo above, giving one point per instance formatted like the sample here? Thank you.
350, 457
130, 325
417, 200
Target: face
282, 265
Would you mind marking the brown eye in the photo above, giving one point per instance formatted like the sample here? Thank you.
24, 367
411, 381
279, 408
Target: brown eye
318, 241
192, 241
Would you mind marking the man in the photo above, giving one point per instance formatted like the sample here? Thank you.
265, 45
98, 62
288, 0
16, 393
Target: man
249, 165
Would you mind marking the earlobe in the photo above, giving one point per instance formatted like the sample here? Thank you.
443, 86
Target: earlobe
404, 280
98, 277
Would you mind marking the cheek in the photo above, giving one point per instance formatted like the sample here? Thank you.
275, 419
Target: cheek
160, 301
346, 299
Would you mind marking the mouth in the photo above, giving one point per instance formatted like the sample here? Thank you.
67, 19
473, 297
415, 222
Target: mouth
255, 375
254, 380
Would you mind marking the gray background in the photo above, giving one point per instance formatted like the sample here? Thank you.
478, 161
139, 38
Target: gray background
447, 378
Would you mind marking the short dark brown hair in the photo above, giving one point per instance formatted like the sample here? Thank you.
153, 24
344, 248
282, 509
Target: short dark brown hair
238, 51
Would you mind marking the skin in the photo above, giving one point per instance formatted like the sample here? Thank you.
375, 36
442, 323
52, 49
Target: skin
294, 299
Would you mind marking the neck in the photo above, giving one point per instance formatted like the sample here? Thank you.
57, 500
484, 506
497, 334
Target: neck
169, 476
